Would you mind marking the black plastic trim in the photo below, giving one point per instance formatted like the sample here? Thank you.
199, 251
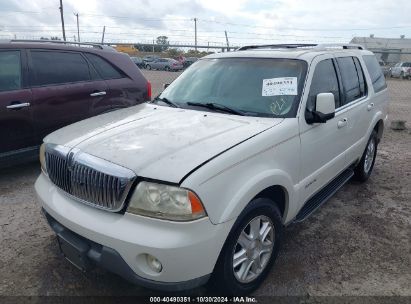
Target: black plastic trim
323, 195
20, 156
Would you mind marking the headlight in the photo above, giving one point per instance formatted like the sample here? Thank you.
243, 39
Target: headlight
43, 158
165, 202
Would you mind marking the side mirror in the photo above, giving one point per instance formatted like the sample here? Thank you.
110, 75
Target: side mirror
165, 85
324, 109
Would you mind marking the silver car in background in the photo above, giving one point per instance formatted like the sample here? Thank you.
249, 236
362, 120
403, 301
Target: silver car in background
167, 64
401, 70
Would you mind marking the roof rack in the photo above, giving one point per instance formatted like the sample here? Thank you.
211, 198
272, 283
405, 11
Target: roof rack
302, 45
95, 45
339, 45
276, 46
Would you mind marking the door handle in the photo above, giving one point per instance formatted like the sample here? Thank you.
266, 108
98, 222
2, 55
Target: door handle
342, 123
17, 106
101, 93
370, 106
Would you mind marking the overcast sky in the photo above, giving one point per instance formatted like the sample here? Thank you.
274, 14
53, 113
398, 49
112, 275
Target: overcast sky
246, 21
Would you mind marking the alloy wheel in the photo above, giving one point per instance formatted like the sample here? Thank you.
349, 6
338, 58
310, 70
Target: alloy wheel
253, 249
369, 156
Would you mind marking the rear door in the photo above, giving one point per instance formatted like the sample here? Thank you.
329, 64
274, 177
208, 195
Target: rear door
121, 90
353, 121
65, 89
16, 125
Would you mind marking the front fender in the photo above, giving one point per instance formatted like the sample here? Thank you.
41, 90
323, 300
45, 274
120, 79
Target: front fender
254, 186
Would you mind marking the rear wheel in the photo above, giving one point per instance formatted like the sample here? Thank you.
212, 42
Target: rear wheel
364, 168
250, 249
167, 68
402, 76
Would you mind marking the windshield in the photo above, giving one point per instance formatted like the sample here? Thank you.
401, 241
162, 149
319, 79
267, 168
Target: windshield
254, 86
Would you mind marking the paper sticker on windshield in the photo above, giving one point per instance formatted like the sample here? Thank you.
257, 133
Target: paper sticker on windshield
280, 86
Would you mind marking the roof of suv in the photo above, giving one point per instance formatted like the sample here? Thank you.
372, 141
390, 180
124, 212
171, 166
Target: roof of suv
55, 45
305, 52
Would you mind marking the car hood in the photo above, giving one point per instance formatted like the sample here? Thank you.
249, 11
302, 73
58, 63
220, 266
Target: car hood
160, 142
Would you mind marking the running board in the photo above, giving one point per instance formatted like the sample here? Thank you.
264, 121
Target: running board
323, 195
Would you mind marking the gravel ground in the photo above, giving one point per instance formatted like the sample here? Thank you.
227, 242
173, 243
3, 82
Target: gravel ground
359, 243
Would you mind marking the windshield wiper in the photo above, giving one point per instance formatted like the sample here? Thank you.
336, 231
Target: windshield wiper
216, 106
166, 101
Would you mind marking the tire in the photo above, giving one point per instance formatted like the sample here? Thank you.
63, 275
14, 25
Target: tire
226, 278
402, 76
148, 67
364, 168
167, 69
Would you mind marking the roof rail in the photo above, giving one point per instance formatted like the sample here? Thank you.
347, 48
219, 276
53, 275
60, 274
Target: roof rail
276, 46
302, 45
339, 45
95, 45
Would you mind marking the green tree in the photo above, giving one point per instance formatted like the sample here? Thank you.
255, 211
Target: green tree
163, 42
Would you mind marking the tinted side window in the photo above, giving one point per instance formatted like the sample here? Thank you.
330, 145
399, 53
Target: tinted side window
10, 71
361, 78
376, 74
104, 68
324, 81
350, 80
58, 68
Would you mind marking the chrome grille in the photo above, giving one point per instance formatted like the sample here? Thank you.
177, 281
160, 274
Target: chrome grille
58, 173
91, 180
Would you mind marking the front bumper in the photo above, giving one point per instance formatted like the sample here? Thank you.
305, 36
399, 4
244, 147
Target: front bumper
188, 251
111, 260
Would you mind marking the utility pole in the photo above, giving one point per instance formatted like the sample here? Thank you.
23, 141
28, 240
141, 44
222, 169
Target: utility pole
62, 19
195, 34
226, 39
78, 28
102, 38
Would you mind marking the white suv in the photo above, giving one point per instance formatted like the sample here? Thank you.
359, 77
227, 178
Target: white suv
200, 183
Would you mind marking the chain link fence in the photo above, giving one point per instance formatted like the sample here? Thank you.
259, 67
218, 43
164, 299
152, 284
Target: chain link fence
399, 87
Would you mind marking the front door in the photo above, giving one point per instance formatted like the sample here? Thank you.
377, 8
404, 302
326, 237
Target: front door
16, 125
322, 144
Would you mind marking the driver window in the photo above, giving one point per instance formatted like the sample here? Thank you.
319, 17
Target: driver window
324, 81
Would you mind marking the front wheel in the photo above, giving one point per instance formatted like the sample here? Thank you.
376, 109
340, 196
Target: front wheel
148, 67
167, 69
250, 249
364, 168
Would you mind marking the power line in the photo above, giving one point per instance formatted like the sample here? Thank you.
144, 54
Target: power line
304, 29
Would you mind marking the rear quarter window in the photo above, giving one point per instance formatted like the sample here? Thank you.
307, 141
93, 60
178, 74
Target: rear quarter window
104, 68
376, 74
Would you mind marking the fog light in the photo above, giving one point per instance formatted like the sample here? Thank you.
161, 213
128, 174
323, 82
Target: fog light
154, 264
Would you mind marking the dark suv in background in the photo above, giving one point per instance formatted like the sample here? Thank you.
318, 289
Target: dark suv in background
47, 85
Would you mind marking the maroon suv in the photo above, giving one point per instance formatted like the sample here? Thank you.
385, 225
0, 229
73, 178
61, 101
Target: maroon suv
45, 86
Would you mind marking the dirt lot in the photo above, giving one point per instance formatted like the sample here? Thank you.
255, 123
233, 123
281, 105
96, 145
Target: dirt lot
359, 243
